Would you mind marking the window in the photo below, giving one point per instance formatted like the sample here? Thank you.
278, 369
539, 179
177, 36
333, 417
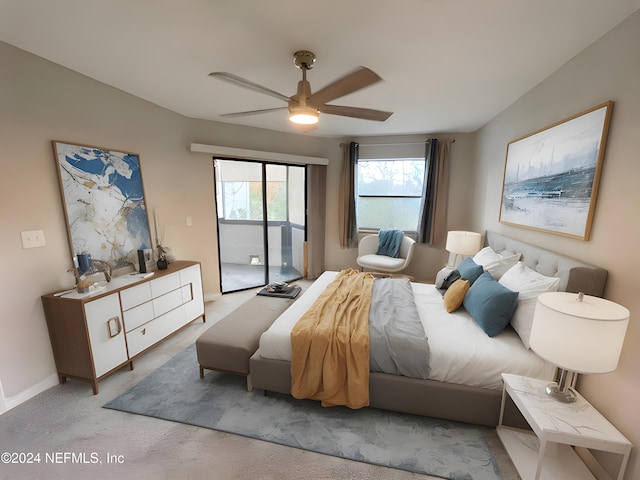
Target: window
389, 193
241, 199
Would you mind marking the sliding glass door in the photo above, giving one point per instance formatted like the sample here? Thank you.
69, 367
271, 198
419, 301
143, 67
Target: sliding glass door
261, 223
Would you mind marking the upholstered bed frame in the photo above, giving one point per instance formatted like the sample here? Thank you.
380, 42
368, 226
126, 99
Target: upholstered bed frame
439, 399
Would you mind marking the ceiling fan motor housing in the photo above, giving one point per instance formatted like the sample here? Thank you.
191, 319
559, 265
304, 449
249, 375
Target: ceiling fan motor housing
299, 103
304, 59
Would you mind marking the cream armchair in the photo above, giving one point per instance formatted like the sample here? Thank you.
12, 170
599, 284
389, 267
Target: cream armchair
368, 259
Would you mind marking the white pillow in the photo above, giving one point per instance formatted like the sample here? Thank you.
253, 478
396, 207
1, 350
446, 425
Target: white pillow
529, 284
495, 263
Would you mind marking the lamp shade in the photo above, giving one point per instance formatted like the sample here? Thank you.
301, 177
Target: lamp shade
579, 332
463, 243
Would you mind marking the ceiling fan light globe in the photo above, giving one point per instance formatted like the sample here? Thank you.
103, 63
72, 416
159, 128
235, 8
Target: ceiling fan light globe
304, 118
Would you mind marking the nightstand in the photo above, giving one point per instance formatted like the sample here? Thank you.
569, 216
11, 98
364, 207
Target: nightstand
546, 452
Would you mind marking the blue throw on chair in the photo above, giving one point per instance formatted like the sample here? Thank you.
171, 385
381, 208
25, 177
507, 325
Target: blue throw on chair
389, 242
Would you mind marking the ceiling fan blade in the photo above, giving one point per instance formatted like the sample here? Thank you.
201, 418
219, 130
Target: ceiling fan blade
359, 78
252, 112
241, 82
364, 113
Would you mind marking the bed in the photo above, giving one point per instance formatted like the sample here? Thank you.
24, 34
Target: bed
464, 380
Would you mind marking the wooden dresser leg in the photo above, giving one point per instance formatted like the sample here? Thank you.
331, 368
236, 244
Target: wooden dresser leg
201, 371
62, 378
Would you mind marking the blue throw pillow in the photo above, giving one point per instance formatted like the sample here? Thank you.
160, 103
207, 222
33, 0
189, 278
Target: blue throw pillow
490, 304
470, 270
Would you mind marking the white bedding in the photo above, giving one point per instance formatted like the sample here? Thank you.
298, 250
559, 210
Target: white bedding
461, 352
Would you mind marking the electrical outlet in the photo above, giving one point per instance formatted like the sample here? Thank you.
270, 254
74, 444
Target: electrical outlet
33, 238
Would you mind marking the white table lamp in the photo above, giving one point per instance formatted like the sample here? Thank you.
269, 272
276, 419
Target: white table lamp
579, 334
463, 243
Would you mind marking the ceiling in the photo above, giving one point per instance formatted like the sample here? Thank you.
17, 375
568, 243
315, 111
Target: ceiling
447, 65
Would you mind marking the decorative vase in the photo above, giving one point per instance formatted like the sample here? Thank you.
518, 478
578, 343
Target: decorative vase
162, 259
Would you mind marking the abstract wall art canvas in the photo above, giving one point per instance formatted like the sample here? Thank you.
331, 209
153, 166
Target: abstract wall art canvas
103, 200
551, 176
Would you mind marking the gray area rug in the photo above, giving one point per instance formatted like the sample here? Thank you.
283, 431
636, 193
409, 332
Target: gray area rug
221, 402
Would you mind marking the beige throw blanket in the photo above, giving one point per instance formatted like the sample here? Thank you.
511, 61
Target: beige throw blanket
330, 344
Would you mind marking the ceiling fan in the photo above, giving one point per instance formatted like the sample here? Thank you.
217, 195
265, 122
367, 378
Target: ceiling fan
305, 107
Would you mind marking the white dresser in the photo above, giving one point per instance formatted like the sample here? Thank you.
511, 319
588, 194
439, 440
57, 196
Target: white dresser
94, 335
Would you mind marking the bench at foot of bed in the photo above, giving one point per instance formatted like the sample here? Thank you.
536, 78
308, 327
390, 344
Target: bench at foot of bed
228, 344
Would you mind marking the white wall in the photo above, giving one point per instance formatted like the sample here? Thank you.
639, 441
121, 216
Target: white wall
607, 70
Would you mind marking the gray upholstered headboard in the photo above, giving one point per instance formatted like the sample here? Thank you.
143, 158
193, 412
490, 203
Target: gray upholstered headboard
575, 275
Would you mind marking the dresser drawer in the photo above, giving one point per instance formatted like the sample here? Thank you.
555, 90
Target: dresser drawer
167, 302
187, 293
151, 333
191, 279
105, 333
137, 316
190, 275
134, 296
162, 285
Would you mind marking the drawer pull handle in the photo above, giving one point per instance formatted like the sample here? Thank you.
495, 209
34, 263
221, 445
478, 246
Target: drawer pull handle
114, 327
144, 331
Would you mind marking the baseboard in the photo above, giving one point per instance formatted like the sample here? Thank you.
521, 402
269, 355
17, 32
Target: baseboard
3, 403
12, 402
210, 297
592, 463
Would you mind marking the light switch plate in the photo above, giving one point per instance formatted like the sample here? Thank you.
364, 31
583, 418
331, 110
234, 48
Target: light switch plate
33, 238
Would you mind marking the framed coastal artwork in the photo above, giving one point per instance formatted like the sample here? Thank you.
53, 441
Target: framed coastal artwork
551, 176
103, 201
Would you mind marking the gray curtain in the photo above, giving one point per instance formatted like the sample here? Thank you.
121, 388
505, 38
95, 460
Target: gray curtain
433, 211
347, 198
316, 207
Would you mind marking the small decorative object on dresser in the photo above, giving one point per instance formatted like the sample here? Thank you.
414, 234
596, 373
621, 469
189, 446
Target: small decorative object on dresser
162, 259
163, 262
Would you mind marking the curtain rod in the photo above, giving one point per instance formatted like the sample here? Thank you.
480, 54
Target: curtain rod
392, 144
